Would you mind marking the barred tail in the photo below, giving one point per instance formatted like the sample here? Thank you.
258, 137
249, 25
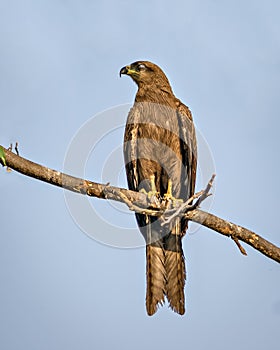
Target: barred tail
175, 271
156, 278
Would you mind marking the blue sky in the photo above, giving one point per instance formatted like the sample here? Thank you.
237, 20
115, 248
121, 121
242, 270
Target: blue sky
59, 67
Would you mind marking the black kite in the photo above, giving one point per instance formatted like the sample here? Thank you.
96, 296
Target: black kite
160, 157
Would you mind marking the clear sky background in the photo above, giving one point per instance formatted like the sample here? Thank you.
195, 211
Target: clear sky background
59, 67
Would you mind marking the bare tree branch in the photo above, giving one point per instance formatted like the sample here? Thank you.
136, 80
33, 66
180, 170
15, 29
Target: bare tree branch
139, 202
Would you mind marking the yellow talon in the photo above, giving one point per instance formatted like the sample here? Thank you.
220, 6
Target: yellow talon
153, 191
169, 197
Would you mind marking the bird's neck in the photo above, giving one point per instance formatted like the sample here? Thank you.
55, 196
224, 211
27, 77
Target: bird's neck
155, 94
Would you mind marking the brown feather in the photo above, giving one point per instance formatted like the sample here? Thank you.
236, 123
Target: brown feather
175, 270
156, 278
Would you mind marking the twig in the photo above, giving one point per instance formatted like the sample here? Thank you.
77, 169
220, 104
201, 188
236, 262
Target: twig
242, 250
182, 209
16, 148
205, 193
187, 206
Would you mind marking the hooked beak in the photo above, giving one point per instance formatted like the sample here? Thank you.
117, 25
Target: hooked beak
128, 70
124, 70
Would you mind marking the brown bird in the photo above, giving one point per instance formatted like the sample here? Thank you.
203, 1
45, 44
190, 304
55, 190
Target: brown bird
160, 157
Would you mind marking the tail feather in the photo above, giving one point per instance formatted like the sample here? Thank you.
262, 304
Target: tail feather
175, 270
156, 278
165, 270
176, 275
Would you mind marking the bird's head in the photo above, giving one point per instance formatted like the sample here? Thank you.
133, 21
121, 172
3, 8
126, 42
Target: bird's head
146, 73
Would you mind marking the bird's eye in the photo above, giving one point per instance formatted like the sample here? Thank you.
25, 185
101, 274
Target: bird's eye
141, 67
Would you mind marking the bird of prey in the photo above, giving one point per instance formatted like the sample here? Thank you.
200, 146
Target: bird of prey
160, 158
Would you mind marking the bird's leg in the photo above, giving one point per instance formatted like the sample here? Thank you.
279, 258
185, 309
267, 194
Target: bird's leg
168, 193
168, 197
153, 192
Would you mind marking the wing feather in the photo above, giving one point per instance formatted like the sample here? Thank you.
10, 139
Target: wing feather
189, 154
